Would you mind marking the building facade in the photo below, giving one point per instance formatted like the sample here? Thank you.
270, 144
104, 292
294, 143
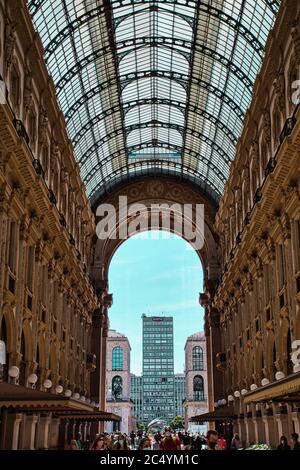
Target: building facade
158, 368
254, 309
52, 318
196, 384
118, 381
137, 397
179, 394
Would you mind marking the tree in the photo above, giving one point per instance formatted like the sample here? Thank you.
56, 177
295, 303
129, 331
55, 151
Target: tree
177, 422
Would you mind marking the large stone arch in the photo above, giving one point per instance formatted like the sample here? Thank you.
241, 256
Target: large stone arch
147, 191
157, 191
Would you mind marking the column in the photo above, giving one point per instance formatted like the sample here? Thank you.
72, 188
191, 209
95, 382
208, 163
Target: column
53, 433
29, 432
282, 422
296, 419
16, 431
84, 430
4, 230
259, 429
42, 438
270, 425
102, 398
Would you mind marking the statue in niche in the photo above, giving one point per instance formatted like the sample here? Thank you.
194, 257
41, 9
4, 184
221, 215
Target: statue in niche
9, 42
117, 387
267, 125
43, 126
27, 94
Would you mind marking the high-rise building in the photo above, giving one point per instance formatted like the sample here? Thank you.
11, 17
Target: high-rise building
195, 379
137, 397
179, 394
118, 380
158, 368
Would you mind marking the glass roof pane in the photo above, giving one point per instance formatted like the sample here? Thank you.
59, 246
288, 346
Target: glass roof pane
154, 85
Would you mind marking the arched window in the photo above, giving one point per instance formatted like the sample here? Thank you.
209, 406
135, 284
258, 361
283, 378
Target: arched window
3, 338
23, 360
117, 358
117, 387
197, 358
198, 388
15, 88
289, 361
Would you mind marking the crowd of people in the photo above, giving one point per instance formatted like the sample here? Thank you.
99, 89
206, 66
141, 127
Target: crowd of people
168, 440
284, 445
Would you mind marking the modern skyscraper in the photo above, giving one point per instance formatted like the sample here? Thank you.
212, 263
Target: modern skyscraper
137, 397
179, 394
158, 368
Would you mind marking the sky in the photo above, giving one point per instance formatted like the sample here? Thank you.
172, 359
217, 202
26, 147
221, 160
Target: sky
155, 276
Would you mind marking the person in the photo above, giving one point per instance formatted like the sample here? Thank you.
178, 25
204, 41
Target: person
73, 445
295, 441
170, 441
283, 445
235, 443
87, 443
211, 440
120, 443
132, 439
98, 444
186, 442
141, 444
197, 443
147, 443
108, 441
157, 439
79, 441
221, 443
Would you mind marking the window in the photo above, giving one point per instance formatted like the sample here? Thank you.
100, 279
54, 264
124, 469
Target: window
12, 247
30, 267
117, 387
197, 355
296, 250
32, 128
117, 358
15, 89
281, 266
198, 387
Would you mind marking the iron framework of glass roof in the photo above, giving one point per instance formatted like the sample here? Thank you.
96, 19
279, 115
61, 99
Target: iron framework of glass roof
150, 87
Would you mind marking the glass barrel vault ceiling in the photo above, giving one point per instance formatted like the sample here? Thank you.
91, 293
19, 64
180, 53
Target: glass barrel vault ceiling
154, 86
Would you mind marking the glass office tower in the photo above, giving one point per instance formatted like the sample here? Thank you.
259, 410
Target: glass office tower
158, 368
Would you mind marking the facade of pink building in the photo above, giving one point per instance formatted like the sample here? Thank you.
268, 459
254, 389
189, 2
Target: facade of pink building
195, 378
118, 381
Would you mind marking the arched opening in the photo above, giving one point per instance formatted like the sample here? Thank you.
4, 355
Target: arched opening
289, 362
22, 375
4, 350
117, 387
274, 360
198, 388
157, 274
